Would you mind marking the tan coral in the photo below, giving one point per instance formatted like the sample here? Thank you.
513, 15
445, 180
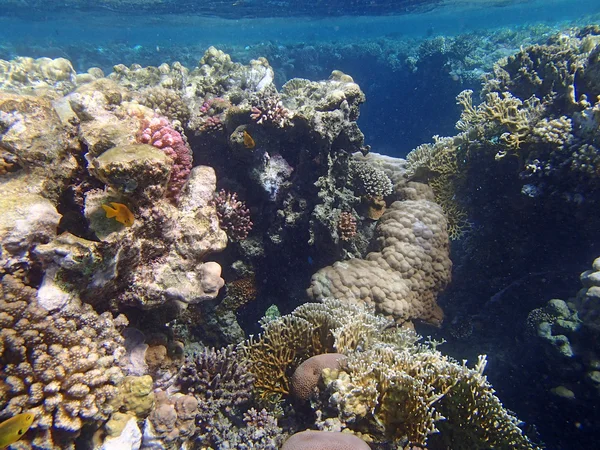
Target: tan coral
403, 277
61, 366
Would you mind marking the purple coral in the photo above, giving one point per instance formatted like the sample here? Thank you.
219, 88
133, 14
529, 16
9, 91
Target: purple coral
270, 110
234, 216
159, 132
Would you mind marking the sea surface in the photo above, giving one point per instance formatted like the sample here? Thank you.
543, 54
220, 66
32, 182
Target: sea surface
529, 232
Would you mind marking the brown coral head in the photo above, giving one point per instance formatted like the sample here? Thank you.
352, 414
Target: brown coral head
307, 375
347, 226
324, 440
375, 206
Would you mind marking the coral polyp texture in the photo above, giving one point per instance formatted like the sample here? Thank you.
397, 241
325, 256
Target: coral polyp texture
403, 277
234, 216
61, 366
159, 133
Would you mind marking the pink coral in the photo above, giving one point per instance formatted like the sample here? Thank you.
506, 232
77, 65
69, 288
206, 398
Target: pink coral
159, 132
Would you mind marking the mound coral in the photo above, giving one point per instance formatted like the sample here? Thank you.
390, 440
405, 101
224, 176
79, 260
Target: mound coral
403, 277
308, 374
324, 440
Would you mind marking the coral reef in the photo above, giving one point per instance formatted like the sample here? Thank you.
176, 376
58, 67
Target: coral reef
389, 388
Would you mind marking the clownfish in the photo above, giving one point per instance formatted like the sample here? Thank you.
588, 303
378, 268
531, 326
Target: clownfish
120, 212
11, 430
248, 141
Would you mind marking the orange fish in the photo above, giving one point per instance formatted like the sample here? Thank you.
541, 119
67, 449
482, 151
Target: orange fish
120, 212
248, 141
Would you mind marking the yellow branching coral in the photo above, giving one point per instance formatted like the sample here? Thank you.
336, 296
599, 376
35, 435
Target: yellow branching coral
310, 330
391, 388
437, 164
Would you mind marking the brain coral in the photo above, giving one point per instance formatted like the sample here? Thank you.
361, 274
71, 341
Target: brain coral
61, 366
403, 277
307, 375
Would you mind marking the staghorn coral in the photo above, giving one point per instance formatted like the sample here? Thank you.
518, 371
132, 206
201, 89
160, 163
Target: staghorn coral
404, 275
61, 366
159, 133
234, 216
221, 382
260, 432
219, 379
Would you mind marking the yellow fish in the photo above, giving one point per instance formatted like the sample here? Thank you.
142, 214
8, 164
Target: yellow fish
248, 141
11, 430
120, 212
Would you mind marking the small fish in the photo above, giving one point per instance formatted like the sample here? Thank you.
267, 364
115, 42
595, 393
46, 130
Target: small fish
120, 212
248, 141
11, 430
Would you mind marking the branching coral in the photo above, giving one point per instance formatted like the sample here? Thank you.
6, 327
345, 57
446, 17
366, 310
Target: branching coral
219, 376
346, 226
234, 216
61, 366
269, 110
159, 133
221, 382
166, 102
405, 393
369, 180
389, 388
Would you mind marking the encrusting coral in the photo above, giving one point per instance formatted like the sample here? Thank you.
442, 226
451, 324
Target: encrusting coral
62, 366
